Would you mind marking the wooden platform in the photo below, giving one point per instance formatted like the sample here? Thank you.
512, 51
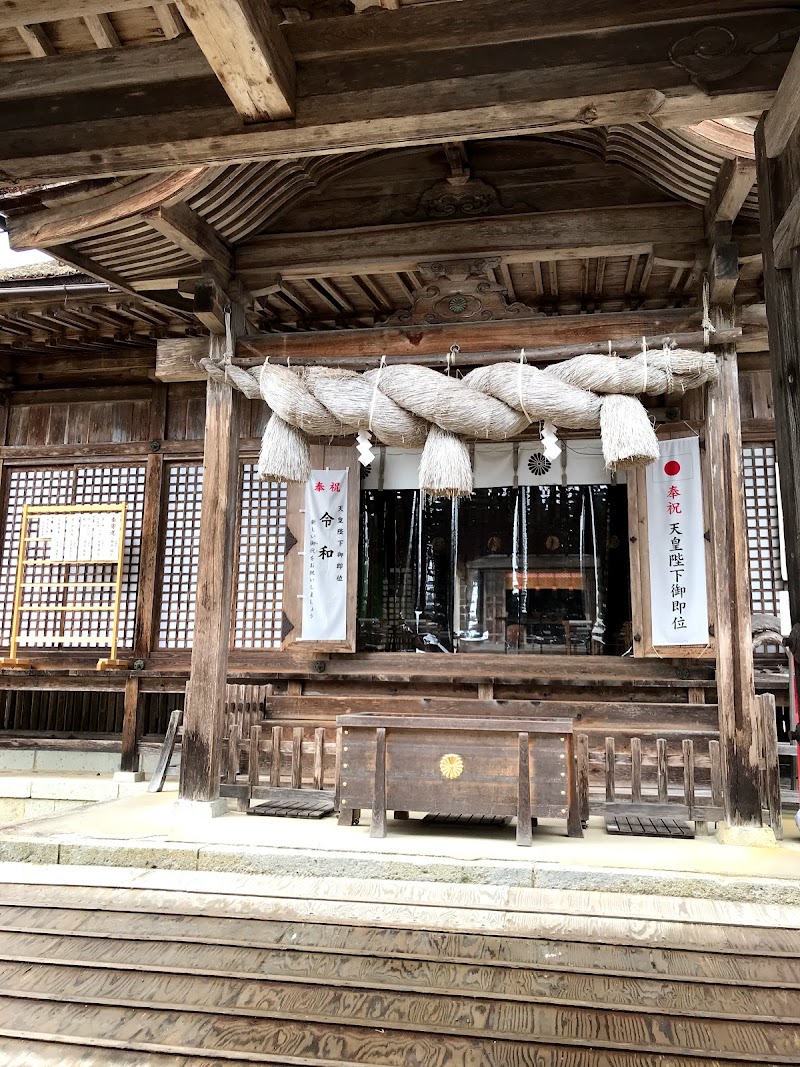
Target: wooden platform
334, 972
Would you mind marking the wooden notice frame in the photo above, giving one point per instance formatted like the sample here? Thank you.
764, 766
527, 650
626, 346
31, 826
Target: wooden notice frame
60, 584
334, 457
640, 567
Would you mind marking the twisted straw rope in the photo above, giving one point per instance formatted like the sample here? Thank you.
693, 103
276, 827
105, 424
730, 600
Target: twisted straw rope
400, 404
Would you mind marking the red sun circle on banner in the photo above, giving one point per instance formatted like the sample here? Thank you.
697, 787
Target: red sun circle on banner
672, 468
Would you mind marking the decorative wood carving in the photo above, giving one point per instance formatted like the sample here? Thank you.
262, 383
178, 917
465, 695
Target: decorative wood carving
459, 290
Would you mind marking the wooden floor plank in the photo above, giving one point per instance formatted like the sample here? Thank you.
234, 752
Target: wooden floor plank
749, 940
265, 1040
403, 975
194, 932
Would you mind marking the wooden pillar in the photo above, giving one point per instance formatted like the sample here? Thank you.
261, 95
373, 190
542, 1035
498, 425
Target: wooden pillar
738, 717
205, 691
778, 192
129, 761
147, 590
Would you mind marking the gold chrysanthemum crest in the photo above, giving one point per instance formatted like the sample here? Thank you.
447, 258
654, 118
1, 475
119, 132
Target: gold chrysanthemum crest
451, 765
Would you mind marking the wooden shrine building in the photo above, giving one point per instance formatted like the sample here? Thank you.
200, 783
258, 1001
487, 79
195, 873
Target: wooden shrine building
467, 189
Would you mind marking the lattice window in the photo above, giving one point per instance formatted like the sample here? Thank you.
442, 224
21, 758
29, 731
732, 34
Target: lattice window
763, 527
262, 546
181, 545
74, 485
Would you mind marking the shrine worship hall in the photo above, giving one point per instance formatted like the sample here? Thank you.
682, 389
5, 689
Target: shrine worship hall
399, 420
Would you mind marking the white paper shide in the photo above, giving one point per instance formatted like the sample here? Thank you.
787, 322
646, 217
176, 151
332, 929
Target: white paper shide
678, 600
325, 557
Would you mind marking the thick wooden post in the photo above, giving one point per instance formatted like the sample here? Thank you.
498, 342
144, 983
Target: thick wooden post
778, 185
738, 716
205, 691
131, 726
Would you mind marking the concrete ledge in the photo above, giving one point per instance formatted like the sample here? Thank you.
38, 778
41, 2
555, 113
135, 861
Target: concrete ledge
71, 850
28, 850
256, 859
86, 790
170, 857
668, 884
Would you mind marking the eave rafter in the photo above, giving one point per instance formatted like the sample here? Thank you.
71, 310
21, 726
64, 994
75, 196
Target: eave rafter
385, 80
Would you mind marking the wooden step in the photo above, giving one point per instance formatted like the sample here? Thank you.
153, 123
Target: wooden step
749, 940
177, 1030
267, 939
550, 986
96, 975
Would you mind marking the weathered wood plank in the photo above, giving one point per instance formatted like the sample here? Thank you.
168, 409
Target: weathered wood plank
546, 338
738, 722
205, 691
782, 119
407, 97
246, 49
775, 187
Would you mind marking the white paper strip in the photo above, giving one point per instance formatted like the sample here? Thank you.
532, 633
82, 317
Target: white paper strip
678, 600
325, 557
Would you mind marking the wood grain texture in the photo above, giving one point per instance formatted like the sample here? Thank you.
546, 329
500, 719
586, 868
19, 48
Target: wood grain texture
434, 974
245, 47
205, 692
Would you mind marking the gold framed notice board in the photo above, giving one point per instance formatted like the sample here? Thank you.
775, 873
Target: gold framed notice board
68, 586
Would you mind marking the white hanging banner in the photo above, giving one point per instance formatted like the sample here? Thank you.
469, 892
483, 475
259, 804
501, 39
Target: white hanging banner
678, 601
325, 557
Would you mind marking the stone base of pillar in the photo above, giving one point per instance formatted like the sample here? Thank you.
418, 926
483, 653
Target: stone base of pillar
128, 776
747, 836
200, 810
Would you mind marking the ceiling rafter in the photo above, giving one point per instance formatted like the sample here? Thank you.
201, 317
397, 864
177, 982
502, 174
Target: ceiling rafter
102, 30
352, 98
246, 49
36, 40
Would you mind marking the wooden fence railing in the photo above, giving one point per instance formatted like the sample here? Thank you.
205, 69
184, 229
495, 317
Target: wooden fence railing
275, 757
669, 777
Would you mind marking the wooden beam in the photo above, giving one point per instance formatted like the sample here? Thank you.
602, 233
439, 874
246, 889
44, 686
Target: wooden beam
426, 28
787, 234
544, 236
783, 314
784, 112
734, 181
723, 272
52, 226
36, 40
556, 337
194, 235
22, 12
210, 301
165, 112
246, 49
102, 30
738, 713
170, 21
205, 692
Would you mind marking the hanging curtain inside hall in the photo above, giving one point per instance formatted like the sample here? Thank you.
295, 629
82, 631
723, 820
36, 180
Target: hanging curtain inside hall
526, 569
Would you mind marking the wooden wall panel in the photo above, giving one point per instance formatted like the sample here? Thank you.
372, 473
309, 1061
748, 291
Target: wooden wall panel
99, 416
755, 394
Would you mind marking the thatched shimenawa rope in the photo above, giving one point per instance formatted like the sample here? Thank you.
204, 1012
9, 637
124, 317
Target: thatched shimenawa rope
409, 406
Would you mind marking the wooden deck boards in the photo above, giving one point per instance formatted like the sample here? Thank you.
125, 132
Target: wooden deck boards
97, 975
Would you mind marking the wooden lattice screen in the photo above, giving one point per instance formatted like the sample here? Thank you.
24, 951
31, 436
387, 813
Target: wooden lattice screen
180, 546
259, 571
763, 528
73, 485
262, 542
